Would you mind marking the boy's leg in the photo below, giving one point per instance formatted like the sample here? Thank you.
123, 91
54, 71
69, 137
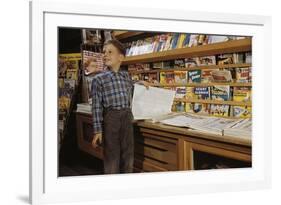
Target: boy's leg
111, 142
127, 143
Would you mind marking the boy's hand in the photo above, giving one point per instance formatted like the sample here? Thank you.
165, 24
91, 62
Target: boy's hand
97, 140
146, 84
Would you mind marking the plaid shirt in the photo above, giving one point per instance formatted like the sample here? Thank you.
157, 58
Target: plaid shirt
110, 90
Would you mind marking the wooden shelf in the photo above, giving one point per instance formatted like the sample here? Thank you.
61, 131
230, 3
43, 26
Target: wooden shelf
203, 84
237, 65
213, 102
196, 51
125, 34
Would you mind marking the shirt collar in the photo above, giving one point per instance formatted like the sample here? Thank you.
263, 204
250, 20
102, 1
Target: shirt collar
112, 73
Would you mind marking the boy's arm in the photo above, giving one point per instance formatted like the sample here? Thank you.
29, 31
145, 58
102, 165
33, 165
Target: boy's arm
145, 83
97, 108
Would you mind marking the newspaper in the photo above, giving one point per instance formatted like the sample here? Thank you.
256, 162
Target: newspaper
206, 124
215, 125
243, 129
148, 103
183, 120
84, 108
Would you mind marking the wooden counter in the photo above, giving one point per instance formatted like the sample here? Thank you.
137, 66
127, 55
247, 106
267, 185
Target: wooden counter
186, 142
160, 147
193, 133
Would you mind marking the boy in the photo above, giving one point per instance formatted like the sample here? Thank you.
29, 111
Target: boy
112, 116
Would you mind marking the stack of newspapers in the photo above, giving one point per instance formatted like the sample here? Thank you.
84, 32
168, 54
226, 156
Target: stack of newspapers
213, 125
241, 129
84, 108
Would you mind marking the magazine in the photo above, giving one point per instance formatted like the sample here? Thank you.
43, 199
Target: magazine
180, 92
242, 94
91, 36
220, 92
202, 92
219, 110
198, 108
243, 75
191, 62
194, 76
207, 60
92, 62
221, 76
180, 76
242, 111
206, 75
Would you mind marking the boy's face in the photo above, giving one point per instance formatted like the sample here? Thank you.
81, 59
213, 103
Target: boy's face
112, 56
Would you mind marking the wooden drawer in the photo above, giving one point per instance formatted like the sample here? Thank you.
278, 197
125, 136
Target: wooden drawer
146, 166
155, 153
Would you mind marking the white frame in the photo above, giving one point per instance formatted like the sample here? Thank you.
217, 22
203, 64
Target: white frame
44, 187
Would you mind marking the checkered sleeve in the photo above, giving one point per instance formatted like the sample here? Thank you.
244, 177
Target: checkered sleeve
132, 84
130, 80
97, 108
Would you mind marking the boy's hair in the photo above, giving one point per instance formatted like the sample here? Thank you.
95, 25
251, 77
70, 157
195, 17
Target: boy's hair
117, 44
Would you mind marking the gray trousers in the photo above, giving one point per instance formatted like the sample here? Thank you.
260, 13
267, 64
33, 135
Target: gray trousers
118, 141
